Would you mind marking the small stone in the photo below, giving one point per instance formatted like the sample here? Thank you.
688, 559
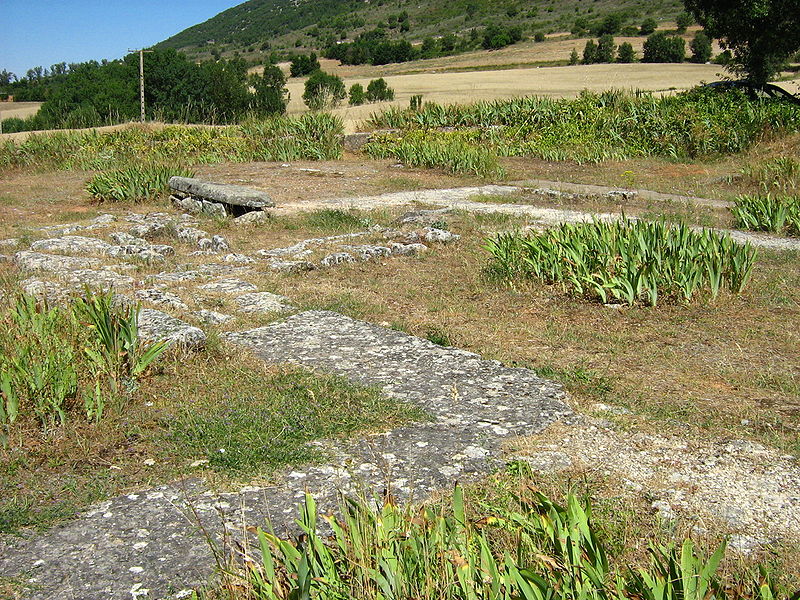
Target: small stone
291, 266
219, 244
407, 249
161, 298
187, 204
214, 209
337, 258
241, 259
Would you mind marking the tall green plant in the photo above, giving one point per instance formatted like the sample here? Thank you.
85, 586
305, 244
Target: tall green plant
627, 261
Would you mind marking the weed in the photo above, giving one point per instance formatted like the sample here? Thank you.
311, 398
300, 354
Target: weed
335, 220
627, 262
780, 174
438, 336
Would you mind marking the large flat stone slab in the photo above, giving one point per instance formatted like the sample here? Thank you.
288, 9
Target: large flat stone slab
157, 326
233, 195
144, 541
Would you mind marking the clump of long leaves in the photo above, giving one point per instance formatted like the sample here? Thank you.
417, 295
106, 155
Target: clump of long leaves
307, 137
136, 183
612, 125
781, 174
625, 262
451, 151
775, 214
54, 360
403, 554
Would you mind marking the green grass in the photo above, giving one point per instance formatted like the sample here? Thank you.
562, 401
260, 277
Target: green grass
536, 550
138, 183
626, 262
261, 423
592, 128
774, 214
335, 220
309, 137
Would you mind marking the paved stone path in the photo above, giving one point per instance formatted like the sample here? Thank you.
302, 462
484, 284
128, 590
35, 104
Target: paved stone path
149, 540
465, 199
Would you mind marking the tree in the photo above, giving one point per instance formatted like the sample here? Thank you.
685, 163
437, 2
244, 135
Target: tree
538, 36
357, 97
661, 48
611, 24
626, 54
574, 59
270, 96
701, 48
761, 34
648, 26
590, 52
378, 90
683, 21
605, 49
303, 64
7, 77
323, 90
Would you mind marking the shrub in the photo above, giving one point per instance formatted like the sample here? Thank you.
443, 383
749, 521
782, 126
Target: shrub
661, 48
323, 91
701, 48
378, 91
538, 36
775, 214
270, 96
606, 49
356, 96
628, 261
626, 53
140, 183
648, 26
304, 64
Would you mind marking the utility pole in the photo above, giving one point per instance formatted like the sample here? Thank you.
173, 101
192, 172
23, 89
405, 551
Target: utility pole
141, 52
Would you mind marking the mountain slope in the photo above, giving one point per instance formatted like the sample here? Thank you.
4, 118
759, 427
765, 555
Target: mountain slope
286, 24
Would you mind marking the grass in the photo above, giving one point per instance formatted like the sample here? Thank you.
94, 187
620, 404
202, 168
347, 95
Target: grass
534, 549
626, 262
308, 137
591, 128
261, 416
774, 214
139, 183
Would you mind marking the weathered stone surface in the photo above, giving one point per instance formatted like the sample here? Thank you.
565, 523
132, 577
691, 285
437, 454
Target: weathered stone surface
353, 142
212, 317
161, 298
72, 245
262, 302
102, 279
337, 258
255, 217
50, 292
241, 259
234, 195
424, 217
407, 249
9, 243
189, 235
290, 266
176, 276
145, 538
367, 252
229, 286
431, 234
36, 261
155, 326
188, 204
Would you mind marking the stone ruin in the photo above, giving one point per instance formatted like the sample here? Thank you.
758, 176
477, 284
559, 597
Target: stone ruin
217, 199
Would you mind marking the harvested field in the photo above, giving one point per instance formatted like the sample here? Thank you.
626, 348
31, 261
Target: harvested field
20, 110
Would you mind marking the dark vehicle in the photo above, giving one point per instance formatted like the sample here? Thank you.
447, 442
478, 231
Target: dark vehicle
754, 91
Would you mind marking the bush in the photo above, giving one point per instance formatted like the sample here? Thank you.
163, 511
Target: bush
356, 96
661, 48
574, 59
701, 48
270, 95
498, 36
303, 64
379, 91
323, 90
141, 183
626, 53
775, 214
629, 262
538, 36
648, 26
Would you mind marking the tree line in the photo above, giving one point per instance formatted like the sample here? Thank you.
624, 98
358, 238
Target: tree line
176, 89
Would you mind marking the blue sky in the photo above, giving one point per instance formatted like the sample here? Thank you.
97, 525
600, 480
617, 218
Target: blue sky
44, 32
